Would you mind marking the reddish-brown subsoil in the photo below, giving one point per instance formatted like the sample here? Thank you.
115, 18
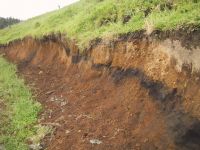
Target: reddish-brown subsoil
128, 94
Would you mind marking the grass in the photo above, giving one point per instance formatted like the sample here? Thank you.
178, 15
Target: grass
20, 111
90, 19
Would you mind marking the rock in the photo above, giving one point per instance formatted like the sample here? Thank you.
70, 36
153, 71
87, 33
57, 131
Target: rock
63, 104
35, 147
41, 72
2, 147
95, 141
137, 145
146, 140
67, 131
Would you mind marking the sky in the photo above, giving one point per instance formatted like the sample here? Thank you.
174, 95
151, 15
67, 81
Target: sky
24, 9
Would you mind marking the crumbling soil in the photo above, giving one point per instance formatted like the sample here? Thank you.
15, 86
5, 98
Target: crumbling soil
126, 94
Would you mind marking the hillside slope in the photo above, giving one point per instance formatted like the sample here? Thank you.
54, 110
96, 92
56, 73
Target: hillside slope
90, 19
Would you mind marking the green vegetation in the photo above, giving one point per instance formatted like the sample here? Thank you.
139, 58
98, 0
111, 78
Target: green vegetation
5, 22
18, 111
89, 19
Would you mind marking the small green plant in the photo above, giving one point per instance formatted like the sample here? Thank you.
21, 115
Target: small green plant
37, 24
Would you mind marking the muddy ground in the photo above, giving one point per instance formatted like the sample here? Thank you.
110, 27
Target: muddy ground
133, 93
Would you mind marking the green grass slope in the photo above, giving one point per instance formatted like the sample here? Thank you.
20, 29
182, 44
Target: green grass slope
89, 19
19, 112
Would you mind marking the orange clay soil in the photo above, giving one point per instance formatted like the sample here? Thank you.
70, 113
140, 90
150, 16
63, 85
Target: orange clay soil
131, 93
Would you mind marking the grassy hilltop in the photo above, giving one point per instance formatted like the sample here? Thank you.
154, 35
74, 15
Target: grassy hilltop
89, 19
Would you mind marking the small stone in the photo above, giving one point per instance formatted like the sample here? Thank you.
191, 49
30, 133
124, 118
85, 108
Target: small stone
41, 72
52, 99
63, 104
35, 147
2, 147
95, 141
67, 131
137, 145
146, 140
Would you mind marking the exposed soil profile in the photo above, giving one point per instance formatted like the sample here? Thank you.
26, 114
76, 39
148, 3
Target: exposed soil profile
135, 92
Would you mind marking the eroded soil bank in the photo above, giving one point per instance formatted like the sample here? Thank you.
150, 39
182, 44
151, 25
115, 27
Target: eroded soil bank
134, 92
